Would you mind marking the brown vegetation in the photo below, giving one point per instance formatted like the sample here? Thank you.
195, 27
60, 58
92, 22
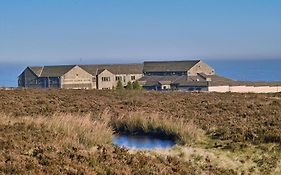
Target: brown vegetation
69, 131
225, 116
49, 145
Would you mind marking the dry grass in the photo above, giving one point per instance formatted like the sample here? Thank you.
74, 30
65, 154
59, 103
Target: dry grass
38, 145
249, 160
79, 130
278, 168
137, 123
237, 117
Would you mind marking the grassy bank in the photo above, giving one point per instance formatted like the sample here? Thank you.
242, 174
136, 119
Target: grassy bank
78, 130
138, 123
251, 159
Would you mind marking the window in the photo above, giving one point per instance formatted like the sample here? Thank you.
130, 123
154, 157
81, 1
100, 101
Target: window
191, 89
133, 77
118, 78
105, 78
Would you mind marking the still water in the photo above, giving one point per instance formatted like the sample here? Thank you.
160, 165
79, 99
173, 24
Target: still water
142, 142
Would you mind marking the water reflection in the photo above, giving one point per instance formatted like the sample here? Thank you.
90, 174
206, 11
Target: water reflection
141, 142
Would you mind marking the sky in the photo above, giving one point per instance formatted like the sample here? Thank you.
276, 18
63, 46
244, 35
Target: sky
119, 31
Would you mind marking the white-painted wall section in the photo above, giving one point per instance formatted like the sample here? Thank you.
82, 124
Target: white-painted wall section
245, 89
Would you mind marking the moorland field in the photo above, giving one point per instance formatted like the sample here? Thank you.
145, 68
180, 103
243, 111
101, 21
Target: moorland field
69, 132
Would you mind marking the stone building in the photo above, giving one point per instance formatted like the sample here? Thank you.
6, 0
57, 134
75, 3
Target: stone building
156, 75
79, 76
108, 75
195, 75
188, 75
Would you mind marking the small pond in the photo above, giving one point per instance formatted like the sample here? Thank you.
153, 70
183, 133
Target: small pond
141, 142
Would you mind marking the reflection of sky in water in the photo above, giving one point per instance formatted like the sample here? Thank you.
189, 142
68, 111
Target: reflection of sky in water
144, 142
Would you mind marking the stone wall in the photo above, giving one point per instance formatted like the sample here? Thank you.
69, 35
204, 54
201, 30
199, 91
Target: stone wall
108, 84
77, 78
201, 67
28, 79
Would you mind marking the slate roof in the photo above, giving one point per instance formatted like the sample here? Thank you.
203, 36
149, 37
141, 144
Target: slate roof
114, 68
164, 82
154, 80
191, 81
51, 71
57, 71
168, 66
199, 80
36, 69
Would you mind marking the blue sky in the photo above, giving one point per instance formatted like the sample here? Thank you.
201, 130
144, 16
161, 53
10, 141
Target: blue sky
101, 31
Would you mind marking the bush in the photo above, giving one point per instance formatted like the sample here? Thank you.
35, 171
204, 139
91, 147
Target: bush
119, 85
136, 85
129, 86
